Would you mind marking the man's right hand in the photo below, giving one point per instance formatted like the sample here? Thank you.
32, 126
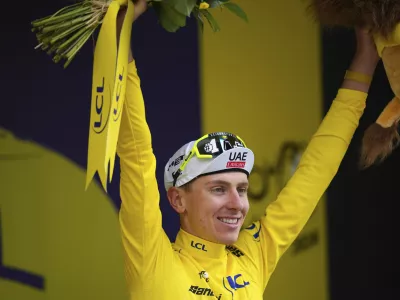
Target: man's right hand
366, 52
140, 8
364, 61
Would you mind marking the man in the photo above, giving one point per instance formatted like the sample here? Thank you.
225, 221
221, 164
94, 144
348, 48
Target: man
206, 182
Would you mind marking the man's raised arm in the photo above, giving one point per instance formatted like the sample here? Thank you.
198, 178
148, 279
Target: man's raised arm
287, 215
143, 237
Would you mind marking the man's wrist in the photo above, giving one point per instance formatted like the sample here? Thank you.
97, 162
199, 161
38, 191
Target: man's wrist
364, 63
358, 77
360, 73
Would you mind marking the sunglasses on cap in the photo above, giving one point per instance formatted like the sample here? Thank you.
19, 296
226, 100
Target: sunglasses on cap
210, 146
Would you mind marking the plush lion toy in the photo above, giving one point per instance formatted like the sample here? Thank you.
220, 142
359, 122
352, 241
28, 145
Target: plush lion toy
382, 17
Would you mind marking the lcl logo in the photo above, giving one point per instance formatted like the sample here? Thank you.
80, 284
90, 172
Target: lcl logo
237, 281
198, 246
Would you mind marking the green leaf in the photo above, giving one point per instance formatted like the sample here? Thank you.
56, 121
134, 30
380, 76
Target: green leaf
169, 18
233, 7
200, 22
213, 23
172, 15
217, 3
185, 7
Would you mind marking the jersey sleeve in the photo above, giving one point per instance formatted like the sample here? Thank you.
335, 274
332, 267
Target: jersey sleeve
267, 240
143, 238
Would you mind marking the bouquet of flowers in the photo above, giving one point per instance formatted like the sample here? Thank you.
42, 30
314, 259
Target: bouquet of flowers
63, 33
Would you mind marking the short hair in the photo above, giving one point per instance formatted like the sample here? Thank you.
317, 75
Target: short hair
187, 187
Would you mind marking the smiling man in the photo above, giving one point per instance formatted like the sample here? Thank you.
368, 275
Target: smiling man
206, 181
214, 206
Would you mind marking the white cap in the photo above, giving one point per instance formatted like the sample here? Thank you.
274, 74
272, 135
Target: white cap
237, 158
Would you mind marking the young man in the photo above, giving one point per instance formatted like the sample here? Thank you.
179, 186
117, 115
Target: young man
206, 182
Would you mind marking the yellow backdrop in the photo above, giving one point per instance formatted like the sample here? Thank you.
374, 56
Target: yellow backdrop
53, 228
262, 81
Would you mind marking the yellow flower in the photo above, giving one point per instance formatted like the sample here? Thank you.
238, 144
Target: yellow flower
204, 5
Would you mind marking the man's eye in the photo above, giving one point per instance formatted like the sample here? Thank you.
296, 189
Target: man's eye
218, 190
242, 190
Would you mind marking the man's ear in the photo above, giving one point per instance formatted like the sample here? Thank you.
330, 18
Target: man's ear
175, 198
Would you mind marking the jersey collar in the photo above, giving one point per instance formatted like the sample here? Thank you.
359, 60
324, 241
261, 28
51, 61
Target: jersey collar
198, 247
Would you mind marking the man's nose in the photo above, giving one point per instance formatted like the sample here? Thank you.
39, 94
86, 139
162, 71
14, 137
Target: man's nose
235, 201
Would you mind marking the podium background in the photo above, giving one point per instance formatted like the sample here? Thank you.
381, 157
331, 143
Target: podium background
270, 81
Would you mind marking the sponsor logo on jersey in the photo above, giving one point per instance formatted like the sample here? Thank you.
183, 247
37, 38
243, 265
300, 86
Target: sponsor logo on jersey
255, 232
204, 275
198, 246
203, 292
237, 281
235, 251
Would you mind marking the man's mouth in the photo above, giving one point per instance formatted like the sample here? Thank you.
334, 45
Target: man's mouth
232, 221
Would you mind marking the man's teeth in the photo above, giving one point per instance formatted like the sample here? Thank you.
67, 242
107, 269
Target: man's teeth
229, 221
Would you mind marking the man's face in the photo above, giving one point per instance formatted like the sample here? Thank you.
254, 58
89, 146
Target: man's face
216, 206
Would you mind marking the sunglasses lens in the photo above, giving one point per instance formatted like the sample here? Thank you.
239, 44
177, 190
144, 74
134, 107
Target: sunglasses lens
216, 144
209, 146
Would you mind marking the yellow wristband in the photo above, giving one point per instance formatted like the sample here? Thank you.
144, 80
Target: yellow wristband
359, 77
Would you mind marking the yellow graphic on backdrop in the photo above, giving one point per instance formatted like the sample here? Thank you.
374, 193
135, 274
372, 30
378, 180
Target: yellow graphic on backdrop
64, 241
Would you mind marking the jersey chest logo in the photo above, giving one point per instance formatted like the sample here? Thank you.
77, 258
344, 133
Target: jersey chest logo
237, 282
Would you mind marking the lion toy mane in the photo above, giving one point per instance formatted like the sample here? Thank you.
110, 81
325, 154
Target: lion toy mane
382, 18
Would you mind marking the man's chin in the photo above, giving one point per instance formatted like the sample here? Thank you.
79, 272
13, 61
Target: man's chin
228, 238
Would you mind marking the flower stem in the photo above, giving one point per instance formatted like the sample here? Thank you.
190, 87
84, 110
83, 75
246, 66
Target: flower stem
69, 15
73, 41
68, 42
78, 46
65, 24
66, 8
66, 32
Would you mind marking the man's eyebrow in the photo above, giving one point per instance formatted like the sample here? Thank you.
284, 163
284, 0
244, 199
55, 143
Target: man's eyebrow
219, 181
224, 182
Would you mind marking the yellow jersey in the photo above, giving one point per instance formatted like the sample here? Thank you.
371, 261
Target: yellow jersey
192, 268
